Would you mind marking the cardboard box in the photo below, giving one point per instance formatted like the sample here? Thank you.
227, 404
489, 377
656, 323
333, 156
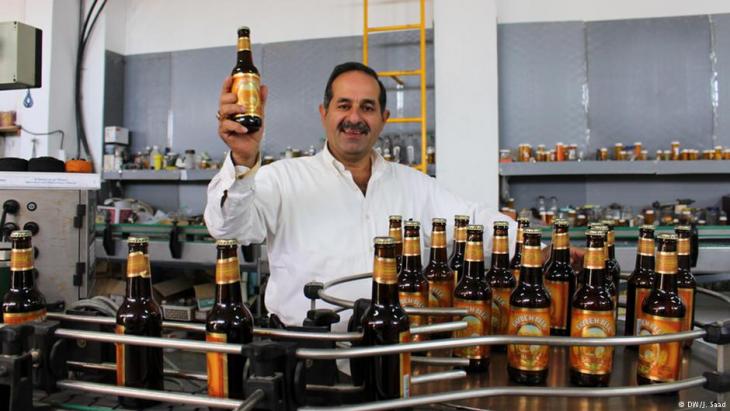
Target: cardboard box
114, 215
167, 290
205, 296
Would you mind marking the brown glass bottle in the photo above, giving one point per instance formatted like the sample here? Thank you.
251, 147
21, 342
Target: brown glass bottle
139, 314
661, 313
247, 84
385, 323
229, 321
560, 280
23, 302
501, 281
516, 264
641, 280
412, 285
613, 269
440, 278
395, 231
529, 316
686, 284
608, 279
473, 294
456, 261
592, 317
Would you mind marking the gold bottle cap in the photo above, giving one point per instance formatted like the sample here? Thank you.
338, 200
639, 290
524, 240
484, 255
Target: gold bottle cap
532, 231
438, 220
598, 227
19, 234
560, 221
647, 227
461, 217
667, 236
138, 240
244, 28
226, 242
523, 220
395, 218
501, 224
475, 227
412, 224
384, 241
595, 233
679, 228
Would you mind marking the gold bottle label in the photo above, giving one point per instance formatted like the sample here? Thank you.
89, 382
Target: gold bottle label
20, 318
247, 86
244, 43
384, 271
500, 245
534, 322
21, 259
558, 291
531, 256
217, 365
659, 362
688, 298
138, 265
561, 241
594, 258
478, 324
666, 263
592, 324
440, 295
500, 310
405, 366
438, 239
396, 234
412, 246
121, 357
646, 246
683, 246
474, 251
460, 234
227, 271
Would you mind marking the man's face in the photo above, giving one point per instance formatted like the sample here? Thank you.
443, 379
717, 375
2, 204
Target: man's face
353, 120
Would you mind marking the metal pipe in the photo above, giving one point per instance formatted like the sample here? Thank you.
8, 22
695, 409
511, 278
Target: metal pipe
173, 325
514, 391
714, 294
251, 401
111, 367
436, 311
451, 362
439, 328
340, 388
438, 376
326, 354
164, 396
200, 346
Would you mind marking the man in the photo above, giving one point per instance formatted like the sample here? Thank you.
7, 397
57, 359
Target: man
319, 214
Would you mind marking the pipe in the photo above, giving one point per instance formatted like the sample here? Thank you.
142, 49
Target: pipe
327, 354
164, 396
111, 367
340, 388
200, 346
515, 391
714, 294
438, 376
251, 401
439, 328
451, 362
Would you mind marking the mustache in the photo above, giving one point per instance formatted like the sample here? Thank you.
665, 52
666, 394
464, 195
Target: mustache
359, 127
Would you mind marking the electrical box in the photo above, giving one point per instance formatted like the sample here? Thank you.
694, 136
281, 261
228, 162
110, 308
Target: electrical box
20, 56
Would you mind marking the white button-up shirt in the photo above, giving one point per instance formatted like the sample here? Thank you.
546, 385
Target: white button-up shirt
319, 226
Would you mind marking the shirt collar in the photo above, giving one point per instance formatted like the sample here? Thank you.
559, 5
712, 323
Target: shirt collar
378, 167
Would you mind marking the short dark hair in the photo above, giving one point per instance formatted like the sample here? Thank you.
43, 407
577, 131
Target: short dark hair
353, 66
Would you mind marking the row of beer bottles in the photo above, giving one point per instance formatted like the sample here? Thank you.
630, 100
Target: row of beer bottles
229, 320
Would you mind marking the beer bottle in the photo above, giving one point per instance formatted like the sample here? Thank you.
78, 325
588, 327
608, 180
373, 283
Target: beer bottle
247, 84
530, 316
229, 321
139, 366
560, 280
592, 317
473, 294
686, 284
500, 280
456, 261
395, 231
516, 264
384, 323
608, 279
613, 269
23, 302
440, 277
641, 280
412, 285
661, 313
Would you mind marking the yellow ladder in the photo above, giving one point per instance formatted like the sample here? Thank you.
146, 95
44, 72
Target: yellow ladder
395, 75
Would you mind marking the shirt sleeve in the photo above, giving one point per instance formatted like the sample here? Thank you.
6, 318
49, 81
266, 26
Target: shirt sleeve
243, 203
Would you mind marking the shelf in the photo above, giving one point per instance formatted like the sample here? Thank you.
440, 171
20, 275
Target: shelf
576, 168
161, 175
55, 181
9, 130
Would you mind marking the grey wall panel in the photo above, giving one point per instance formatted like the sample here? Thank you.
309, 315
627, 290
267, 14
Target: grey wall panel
649, 80
568, 190
147, 98
193, 197
162, 196
114, 89
542, 71
642, 191
721, 27
197, 76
